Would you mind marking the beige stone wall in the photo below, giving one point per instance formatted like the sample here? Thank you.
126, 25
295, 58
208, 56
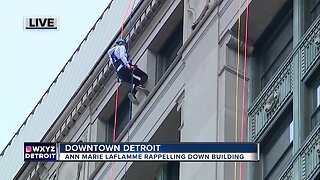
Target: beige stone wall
202, 83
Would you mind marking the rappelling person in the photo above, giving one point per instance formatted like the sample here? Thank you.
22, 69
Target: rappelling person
125, 69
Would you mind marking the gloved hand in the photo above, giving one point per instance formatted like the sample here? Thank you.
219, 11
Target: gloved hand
132, 67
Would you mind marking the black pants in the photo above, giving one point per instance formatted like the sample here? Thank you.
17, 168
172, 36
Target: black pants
125, 75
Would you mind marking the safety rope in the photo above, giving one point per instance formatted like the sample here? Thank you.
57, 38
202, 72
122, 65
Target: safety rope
244, 79
115, 123
237, 84
116, 112
124, 19
117, 94
131, 91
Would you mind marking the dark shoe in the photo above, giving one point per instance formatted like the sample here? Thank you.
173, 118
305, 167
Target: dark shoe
143, 90
133, 99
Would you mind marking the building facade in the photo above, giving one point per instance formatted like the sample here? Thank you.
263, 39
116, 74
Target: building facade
189, 49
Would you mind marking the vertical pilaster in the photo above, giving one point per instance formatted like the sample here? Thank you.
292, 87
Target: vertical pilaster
298, 120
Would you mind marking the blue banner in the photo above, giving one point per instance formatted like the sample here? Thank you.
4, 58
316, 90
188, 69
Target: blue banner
159, 148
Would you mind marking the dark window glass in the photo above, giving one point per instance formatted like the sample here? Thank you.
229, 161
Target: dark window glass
315, 102
312, 10
168, 51
276, 148
169, 171
122, 116
276, 49
273, 47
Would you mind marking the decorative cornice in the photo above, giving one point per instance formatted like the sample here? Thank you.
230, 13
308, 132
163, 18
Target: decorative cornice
140, 25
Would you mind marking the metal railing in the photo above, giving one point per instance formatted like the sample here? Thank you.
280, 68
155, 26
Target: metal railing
308, 156
280, 87
272, 98
310, 48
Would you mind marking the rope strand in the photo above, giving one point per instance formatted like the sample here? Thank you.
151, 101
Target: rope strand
124, 19
237, 84
117, 95
115, 114
131, 91
115, 124
244, 79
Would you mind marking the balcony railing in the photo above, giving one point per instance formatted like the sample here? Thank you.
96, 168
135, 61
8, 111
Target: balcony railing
308, 156
310, 48
272, 98
281, 85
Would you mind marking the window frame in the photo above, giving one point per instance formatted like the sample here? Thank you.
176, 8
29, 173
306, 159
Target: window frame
123, 106
314, 99
284, 122
174, 43
265, 70
168, 170
309, 13
277, 61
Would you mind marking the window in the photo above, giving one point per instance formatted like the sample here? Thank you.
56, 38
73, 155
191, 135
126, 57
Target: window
169, 171
105, 119
312, 99
315, 118
273, 47
291, 131
168, 51
122, 116
318, 96
166, 43
314, 91
276, 147
312, 10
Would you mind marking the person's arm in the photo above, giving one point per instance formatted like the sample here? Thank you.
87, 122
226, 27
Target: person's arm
122, 54
110, 51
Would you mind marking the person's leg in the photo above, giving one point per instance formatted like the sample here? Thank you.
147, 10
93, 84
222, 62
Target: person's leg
125, 75
143, 79
143, 76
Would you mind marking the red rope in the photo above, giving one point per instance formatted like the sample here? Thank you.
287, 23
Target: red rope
244, 79
115, 114
117, 93
115, 125
112, 169
124, 19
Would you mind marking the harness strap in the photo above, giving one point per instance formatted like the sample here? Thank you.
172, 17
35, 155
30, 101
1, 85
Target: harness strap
117, 63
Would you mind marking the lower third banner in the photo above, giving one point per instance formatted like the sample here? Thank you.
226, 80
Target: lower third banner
194, 152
